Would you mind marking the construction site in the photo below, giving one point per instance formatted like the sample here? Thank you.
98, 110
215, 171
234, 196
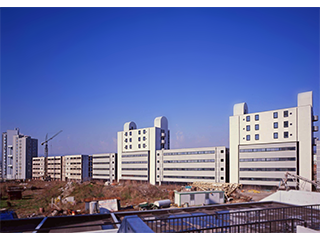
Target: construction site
55, 206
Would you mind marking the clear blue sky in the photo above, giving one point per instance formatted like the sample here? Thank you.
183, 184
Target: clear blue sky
87, 71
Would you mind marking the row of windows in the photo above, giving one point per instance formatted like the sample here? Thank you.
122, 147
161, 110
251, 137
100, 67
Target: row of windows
96, 174
126, 175
139, 132
275, 125
189, 153
266, 159
101, 169
135, 169
101, 163
189, 161
139, 146
135, 155
269, 169
96, 157
275, 136
134, 162
139, 139
263, 179
268, 149
188, 169
194, 177
275, 115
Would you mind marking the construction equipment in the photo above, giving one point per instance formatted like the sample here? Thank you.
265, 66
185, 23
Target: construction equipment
283, 185
45, 143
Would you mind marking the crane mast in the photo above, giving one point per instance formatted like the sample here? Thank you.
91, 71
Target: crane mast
46, 154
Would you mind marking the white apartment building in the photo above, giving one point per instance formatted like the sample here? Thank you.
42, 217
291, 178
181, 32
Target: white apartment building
265, 145
38, 167
54, 167
75, 168
208, 164
104, 167
137, 150
18, 151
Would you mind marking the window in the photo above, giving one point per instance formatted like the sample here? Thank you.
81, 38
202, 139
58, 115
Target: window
192, 197
256, 137
126, 140
130, 146
221, 178
222, 160
221, 151
144, 138
275, 125
256, 127
126, 134
144, 131
286, 134
285, 114
207, 196
126, 147
130, 140
144, 145
275, 135
139, 132
222, 169
139, 145
248, 127
248, 137
275, 115
256, 117
130, 133
285, 124
248, 118
139, 138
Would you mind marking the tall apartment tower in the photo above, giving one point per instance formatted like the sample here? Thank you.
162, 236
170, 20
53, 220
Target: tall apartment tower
18, 151
137, 150
265, 145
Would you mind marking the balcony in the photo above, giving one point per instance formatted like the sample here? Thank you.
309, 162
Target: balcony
163, 134
315, 118
163, 141
315, 129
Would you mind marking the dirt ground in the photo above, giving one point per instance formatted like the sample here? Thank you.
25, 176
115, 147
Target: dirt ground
37, 195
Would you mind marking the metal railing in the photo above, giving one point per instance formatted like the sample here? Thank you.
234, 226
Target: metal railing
261, 220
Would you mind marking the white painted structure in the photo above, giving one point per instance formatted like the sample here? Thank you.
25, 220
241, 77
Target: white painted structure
37, 167
296, 197
75, 168
137, 150
197, 198
265, 145
54, 168
187, 165
104, 166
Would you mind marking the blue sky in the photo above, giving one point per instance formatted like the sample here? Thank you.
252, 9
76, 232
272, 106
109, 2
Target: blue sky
87, 71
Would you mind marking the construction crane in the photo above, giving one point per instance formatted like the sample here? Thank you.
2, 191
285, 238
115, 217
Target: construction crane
45, 143
284, 185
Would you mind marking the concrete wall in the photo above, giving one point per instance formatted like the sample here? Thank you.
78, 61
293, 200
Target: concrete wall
294, 197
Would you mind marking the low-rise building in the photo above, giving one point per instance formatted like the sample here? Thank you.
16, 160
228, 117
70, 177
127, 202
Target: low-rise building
187, 165
54, 167
38, 167
104, 167
75, 168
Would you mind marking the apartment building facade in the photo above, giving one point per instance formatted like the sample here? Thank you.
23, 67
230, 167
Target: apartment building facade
104, 167
318, 159
266, 145
75, 168
38, 165
54, 167
189, 165
18, 151
137, 150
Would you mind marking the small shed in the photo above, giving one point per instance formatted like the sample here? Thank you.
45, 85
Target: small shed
196, 198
